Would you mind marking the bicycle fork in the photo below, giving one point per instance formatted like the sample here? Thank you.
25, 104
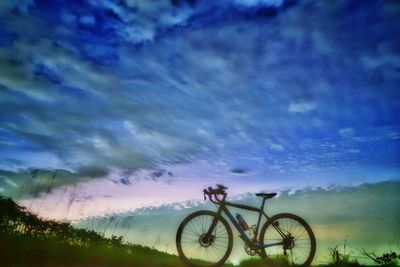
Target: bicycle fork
214, 223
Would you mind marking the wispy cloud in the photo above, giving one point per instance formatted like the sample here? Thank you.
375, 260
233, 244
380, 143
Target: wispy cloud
302, 107
116, 87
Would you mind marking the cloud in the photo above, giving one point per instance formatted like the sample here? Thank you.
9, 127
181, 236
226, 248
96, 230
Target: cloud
37, 182
8, 181
239, 171
277, 147
346, 132
92, 171
117, 87
250, 3
301, 107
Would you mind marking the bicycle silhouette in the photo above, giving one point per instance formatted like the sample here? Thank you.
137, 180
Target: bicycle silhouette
204, 238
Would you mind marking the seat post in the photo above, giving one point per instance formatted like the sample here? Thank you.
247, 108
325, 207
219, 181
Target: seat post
263, 203
260, 215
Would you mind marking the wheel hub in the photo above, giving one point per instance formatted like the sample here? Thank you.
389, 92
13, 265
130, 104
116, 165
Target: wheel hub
206, 240
288, 242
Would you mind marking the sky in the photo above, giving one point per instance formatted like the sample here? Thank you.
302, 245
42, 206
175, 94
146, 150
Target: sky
129, 104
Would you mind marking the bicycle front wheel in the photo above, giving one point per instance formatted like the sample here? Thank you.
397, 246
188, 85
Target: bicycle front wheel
196, 247
295, 238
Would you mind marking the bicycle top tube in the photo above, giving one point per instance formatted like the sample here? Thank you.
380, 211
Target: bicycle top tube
241, 206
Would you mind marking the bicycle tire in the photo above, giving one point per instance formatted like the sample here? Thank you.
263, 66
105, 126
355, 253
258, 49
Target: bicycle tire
285, 218
185, 224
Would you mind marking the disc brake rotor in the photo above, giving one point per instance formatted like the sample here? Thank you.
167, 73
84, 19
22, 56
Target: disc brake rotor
206, 241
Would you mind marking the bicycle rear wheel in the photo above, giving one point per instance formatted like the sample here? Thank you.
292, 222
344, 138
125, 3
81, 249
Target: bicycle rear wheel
196, 248
298, 243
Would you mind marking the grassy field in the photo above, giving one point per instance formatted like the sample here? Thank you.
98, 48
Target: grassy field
27, 251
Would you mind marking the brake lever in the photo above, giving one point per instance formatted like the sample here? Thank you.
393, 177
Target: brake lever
205, 194
221, 186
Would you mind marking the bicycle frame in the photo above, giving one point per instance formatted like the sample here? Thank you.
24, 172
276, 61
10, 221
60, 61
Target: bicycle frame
223, 208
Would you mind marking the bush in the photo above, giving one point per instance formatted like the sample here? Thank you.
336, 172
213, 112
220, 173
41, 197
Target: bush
386, 259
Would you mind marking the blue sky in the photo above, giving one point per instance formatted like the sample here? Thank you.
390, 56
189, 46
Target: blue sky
259, 92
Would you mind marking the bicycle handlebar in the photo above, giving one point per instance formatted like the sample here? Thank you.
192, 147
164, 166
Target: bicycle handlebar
215, 192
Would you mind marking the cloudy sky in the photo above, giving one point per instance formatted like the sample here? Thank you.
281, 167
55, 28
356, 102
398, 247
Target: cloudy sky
126, 104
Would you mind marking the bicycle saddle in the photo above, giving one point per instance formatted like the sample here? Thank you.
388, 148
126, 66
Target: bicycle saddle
266, 195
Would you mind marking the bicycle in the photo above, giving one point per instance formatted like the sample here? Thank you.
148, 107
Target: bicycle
204, 238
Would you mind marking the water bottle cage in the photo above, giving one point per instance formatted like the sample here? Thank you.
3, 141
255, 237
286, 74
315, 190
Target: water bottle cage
242, 222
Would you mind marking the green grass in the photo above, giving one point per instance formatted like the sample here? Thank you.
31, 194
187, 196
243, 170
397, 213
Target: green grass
25, 251
258, 262
252, 262
28, 251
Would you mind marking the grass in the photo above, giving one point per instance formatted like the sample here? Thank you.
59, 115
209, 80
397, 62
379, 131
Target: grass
258, 262
341, 259
28, 251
